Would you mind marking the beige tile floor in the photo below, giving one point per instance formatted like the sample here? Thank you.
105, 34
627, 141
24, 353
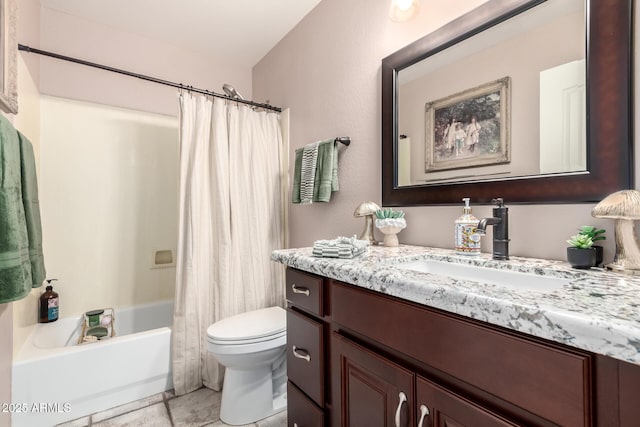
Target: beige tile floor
200, 408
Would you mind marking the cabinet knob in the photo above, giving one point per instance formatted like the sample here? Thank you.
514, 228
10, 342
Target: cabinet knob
301, 354
424, 412
403, 398
299, 290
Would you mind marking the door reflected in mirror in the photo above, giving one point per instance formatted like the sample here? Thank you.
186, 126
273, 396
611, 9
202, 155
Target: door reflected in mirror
450, 129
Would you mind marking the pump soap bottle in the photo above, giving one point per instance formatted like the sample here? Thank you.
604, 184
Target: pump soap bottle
467, 241
49, 304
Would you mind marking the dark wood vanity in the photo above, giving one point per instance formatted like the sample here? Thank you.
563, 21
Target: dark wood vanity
361, 358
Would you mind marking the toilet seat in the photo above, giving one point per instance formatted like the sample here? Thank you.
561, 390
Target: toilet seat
247, 341
248, 328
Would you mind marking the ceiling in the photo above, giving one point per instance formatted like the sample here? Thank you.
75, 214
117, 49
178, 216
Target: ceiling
239, 30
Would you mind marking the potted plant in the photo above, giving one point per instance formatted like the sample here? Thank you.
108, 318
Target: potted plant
581, 253
390, 222
596, 234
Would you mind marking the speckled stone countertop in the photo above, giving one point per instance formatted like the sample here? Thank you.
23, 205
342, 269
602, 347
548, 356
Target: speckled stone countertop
596, 310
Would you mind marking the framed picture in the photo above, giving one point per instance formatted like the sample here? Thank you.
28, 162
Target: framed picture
9, 57
470, 128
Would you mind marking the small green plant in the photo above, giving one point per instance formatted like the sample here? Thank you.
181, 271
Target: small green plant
580, 241
595, 233
388, 213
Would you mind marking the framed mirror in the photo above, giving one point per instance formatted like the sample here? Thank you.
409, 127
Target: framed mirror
528, 100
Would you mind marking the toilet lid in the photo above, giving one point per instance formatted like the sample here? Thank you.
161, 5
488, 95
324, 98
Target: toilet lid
250, 325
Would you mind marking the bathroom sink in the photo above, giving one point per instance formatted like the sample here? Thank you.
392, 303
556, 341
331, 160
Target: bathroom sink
508, 279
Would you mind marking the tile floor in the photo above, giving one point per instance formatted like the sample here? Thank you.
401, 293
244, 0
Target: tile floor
200, 408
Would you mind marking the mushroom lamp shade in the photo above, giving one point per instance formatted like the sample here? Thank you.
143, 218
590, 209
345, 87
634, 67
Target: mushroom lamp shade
368, 211
624, 207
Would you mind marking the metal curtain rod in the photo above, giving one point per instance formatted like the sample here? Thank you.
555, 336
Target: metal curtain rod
143, 77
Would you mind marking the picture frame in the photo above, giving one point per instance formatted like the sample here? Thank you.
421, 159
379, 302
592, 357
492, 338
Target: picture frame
9, 57
469, 128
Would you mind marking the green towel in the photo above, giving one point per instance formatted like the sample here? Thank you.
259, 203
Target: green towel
326, 171
326, 178
31, 204
297, 177
21, 265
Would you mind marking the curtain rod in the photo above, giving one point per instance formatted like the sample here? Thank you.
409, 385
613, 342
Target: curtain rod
147, 78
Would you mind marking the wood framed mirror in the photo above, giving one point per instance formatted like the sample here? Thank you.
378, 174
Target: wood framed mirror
608, 155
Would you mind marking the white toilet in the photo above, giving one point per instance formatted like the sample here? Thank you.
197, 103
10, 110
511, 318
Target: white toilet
252, 348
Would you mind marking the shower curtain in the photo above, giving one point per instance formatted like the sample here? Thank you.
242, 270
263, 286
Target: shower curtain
233, 190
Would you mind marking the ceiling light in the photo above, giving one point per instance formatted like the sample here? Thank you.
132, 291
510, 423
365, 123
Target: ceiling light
403, 10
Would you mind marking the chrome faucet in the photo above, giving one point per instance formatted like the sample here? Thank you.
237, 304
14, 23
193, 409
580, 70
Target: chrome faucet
500, 222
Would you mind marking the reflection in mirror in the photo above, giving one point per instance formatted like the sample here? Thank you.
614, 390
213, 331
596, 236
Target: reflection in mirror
507, 102
538, 162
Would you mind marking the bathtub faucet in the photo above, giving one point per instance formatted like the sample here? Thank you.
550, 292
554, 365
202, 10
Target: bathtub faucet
500, 222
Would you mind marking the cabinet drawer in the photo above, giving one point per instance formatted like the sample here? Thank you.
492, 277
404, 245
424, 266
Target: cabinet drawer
302, 412
305, 355
305, 291
543, 379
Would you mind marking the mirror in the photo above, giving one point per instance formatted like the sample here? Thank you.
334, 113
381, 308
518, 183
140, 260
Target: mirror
486, 77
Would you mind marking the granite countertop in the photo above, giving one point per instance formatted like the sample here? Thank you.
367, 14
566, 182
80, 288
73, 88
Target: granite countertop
597, 310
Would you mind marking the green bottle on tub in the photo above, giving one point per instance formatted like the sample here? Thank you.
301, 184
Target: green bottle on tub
467, 241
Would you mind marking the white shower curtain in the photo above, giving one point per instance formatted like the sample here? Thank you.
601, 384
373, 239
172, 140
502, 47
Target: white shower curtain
232, 215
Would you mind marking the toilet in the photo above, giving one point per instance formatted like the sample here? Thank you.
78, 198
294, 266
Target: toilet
252, 348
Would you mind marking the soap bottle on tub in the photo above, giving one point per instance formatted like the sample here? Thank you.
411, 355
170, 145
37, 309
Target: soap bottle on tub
49, 304
467, 241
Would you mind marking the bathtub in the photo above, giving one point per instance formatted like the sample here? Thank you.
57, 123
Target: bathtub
55, 380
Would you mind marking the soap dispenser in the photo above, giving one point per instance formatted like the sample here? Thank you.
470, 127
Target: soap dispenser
49, 304
467, 241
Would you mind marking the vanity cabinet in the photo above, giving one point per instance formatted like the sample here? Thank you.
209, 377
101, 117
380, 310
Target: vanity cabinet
377, 360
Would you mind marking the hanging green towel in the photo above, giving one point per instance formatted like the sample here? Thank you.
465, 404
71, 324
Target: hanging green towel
326, 171
31, 204
21, 261
326, 177
297, 177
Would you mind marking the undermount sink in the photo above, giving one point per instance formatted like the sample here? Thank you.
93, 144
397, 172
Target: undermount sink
508, 279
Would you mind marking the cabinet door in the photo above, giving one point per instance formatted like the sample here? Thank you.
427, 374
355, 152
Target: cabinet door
369, 390
439, 407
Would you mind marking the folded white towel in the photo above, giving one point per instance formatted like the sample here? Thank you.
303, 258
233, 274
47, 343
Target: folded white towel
341, 247
308, 172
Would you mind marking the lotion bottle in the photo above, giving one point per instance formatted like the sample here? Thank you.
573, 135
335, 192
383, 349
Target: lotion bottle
49, 304
467, 241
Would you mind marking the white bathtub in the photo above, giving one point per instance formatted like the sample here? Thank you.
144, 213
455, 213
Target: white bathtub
55, 380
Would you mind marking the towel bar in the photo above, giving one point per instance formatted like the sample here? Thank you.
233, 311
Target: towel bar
344, 140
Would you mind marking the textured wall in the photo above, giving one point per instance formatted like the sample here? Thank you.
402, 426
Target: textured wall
108, 197
91, 41
327, 70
